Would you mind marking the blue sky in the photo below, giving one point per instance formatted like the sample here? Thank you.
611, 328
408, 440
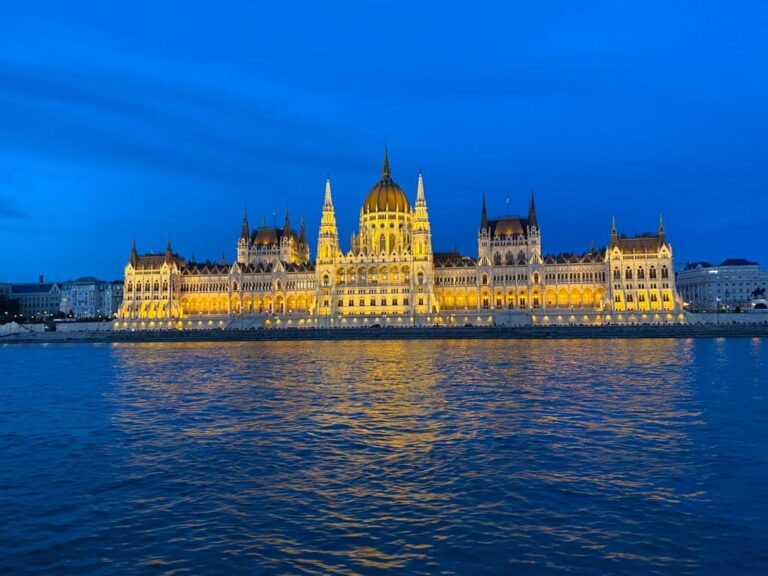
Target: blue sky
162, 120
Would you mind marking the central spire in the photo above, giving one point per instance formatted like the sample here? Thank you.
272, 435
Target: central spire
385, 173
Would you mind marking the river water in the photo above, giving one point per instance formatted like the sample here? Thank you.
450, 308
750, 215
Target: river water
391, 457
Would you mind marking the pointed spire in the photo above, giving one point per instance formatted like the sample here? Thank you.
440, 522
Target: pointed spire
614, 231
286, 223
385, 173
168, 251
532, 220
483, 215
328, 237
246, 230
420, 189
328, 200
662, 231
223, 259
302, 232
592, 247
134, 254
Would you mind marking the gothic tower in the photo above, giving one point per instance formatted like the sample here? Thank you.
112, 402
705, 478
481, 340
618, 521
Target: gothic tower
327, 252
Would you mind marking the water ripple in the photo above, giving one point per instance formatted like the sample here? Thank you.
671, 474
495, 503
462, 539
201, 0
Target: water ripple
458, 457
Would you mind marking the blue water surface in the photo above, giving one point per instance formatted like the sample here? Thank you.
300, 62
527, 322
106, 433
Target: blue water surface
391, 457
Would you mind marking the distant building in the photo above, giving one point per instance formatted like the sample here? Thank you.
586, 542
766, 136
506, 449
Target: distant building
730, 283
116, 296
89, 297
43, 298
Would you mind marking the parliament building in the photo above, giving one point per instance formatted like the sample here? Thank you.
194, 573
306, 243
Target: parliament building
388, 275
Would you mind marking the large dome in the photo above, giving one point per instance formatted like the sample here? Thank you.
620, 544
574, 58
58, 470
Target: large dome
386, 195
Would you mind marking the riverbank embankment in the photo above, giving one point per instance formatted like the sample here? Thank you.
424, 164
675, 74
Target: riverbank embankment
452, 333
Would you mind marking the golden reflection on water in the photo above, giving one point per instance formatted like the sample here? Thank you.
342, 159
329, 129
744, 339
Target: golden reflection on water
387, 392
364, 437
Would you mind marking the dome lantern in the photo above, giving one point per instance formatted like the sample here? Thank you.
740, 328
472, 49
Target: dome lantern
386, 195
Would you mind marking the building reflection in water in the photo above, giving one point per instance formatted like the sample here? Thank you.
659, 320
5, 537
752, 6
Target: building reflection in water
411, 454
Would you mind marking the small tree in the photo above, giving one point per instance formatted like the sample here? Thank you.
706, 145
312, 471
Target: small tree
8, 309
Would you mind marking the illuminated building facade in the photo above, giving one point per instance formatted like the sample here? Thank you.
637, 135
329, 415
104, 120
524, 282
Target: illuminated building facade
390, 276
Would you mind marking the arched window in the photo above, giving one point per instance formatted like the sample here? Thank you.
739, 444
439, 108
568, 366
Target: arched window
628, 274
640, 274
326, 281
664, 272
382, 243
652, 273
616, 274
485, 279
420, 278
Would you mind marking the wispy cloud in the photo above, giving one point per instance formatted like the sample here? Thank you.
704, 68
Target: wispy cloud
99, 118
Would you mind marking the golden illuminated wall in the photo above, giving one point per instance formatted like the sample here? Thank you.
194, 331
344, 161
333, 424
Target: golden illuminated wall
236, 293
642, 280
521, 287
150, 293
